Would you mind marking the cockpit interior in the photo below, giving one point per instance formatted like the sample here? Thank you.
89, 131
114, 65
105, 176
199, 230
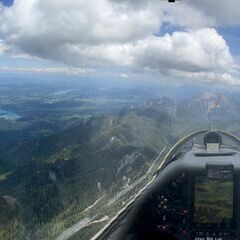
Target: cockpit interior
195, 194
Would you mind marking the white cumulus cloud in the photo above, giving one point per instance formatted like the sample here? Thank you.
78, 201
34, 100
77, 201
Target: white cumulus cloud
194, 51
121, 33
194, 13
222, 12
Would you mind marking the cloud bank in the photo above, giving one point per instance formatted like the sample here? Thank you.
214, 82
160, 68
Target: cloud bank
55, 70
124, 33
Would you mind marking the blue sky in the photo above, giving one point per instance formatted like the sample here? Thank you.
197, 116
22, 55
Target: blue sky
7, 2
232, 37
185, 41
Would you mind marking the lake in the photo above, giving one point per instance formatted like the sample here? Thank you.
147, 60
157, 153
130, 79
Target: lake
8, 115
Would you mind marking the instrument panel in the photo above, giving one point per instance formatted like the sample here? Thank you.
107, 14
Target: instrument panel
199, 207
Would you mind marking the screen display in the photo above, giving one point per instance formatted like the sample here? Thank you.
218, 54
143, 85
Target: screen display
213, 202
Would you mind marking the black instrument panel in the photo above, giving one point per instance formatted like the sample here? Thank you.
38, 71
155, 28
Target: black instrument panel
166, 211
199, 207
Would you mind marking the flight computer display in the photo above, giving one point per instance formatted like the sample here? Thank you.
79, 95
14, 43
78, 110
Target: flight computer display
213, 200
